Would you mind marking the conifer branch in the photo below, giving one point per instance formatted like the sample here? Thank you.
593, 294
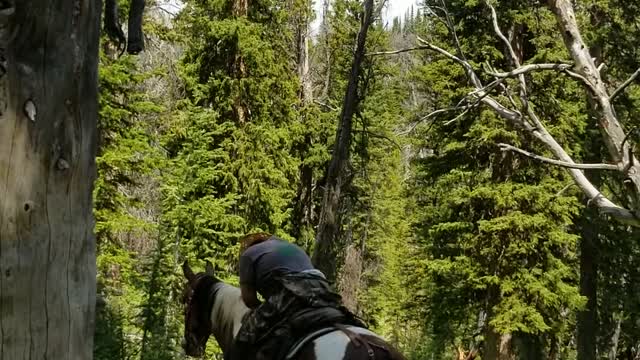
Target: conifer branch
566, 164
624, 85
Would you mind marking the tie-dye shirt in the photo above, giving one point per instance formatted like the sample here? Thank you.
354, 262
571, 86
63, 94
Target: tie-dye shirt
260, 262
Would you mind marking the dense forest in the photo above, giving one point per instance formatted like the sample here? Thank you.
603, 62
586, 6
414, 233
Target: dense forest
471, 187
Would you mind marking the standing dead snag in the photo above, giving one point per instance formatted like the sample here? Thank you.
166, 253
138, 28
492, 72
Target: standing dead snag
135, 43
303, 202
48, 117
523, 117
329, 227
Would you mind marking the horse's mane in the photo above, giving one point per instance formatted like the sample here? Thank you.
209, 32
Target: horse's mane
227, 313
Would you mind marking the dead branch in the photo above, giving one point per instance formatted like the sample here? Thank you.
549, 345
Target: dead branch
496, 28
611, 128
595, 197
512, 53
570, 165
325, 105
624, 85
529, 68
394, 52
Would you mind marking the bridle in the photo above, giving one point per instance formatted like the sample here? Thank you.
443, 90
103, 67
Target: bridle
194, 297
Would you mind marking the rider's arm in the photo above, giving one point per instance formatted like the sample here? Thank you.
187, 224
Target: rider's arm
249, 296
247, 282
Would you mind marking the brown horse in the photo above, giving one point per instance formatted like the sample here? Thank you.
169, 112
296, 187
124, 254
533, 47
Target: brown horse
213, 307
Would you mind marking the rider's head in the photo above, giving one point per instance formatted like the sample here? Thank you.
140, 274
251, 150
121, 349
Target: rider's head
252, 239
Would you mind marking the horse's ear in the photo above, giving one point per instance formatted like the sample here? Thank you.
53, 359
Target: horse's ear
188, 273
209, 268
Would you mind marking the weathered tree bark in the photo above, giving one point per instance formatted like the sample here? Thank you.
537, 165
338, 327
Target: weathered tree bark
303, 208
587, 320
48, 118
112, 22
327, 49
240, 8
135, 43
302, 32
615, 340
620, 150
329, 227
498, 346
136, 38
529, 346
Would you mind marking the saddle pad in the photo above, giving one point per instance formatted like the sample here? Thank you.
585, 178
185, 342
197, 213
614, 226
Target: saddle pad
321, 332
310, 337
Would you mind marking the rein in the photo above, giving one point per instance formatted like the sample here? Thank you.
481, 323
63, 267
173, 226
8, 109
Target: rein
201, 282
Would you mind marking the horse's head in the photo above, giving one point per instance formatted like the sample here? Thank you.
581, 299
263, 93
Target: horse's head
197, 301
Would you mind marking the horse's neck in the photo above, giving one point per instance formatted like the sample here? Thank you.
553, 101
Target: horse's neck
226, 314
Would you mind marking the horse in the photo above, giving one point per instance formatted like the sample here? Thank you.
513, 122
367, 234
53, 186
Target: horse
212, 307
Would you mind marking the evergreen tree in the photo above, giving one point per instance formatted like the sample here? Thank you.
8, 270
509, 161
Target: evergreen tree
230, 145
495, 228
126, 160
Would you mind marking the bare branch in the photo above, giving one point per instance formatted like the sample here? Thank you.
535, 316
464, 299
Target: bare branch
452, 29
328, 106
582, 79
496, 28
620, 89
433, 114
566, 164
457, 117
394, 52
439, 111
473, 77
514, 56
529, 68
583, 71
562, 191
626, 136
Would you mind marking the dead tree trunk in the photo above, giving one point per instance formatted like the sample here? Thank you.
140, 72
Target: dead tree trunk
135, 42
498, 346
303, 207
48, 117
326, 252
240, 8
327, 49
588, 319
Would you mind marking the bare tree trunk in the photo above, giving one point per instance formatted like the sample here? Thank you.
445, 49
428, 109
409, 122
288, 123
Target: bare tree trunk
587, 319
325, 254
498, 346
48, 118
528, 346
620, 150
303, 207
240, 9
303, 54
136, 37
615, 340
327, 49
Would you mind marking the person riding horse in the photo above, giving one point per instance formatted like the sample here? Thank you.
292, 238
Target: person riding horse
295, 294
